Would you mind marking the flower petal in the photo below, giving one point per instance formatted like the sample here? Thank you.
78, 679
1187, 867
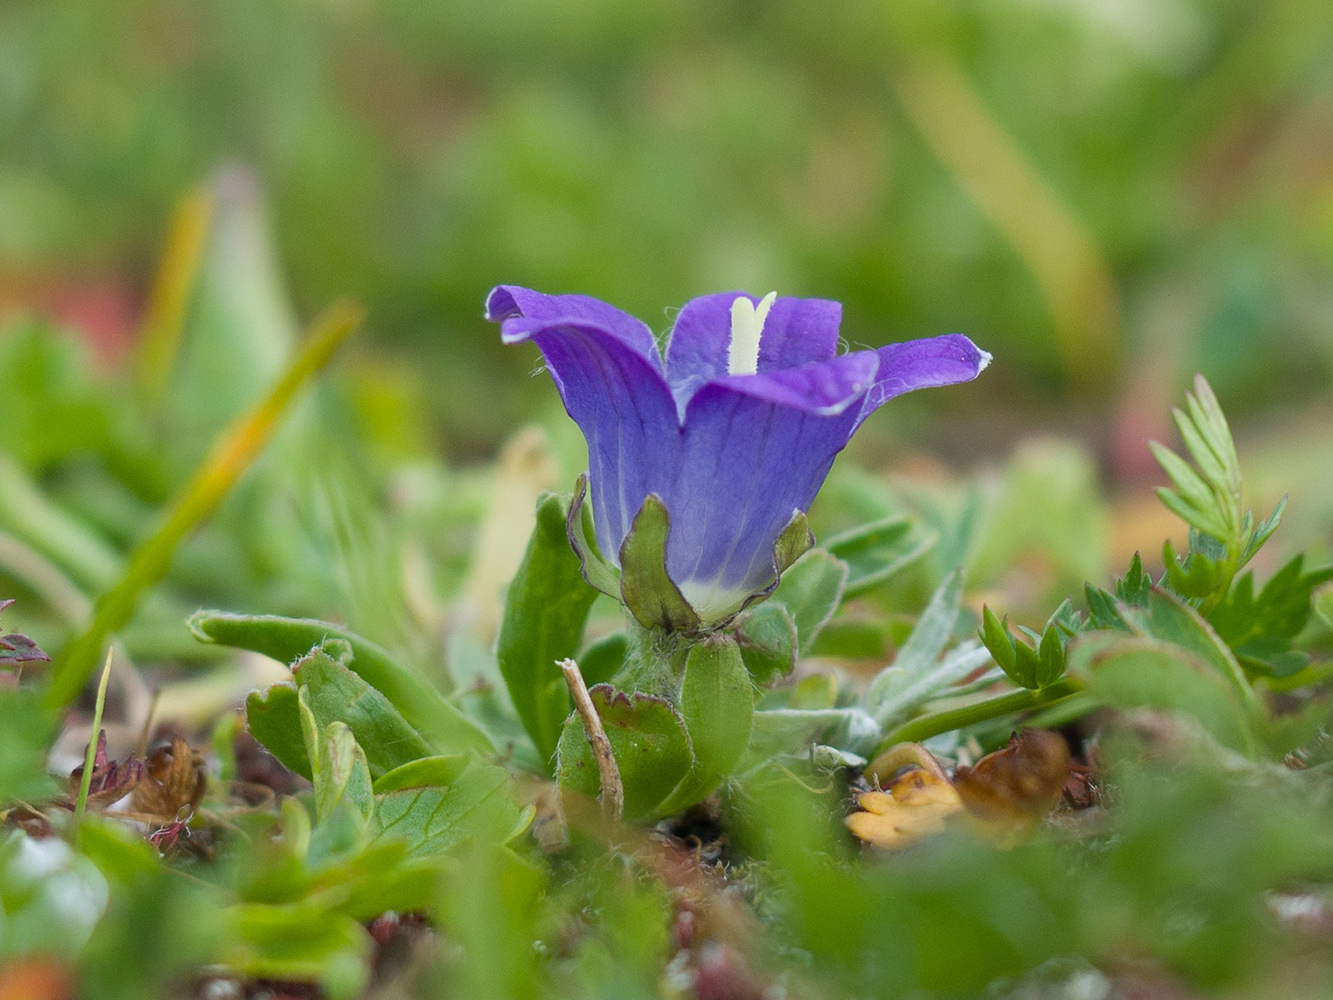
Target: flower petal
750, 461
825, 388
796, 332
509, 302
923, 364
622, 404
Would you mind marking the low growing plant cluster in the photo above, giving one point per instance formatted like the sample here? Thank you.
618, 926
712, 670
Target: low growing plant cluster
697, 750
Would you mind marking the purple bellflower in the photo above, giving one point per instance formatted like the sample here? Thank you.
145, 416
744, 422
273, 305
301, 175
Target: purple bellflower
734, 431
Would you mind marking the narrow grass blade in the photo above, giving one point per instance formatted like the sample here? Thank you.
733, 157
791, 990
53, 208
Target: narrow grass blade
86, 784
173, 288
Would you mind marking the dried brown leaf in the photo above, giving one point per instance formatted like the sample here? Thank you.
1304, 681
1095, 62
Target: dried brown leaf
176, 778
1010, 790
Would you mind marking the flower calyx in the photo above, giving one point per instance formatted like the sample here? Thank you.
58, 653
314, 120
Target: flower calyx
641, 581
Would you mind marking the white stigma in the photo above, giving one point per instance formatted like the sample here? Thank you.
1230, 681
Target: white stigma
747, 326
986, 359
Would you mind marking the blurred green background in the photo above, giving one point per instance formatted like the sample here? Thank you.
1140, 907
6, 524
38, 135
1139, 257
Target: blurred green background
1107, 195
1095, 191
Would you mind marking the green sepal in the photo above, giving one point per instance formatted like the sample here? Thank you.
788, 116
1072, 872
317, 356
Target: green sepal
648, 740
793, 541
596, 570
645, 586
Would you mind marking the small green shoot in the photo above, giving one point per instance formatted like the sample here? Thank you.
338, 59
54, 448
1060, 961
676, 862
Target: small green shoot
1207, 496
1034, 666
81, 804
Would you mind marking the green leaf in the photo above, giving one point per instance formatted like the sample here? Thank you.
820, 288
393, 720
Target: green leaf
778, 731
287, 639
27, 731
1168, 618
441, 771
854, 639
545, 612
900, 692
338, 695
717, 704
477, 805
1040, 664
766, 636
1191, 487
1197, 576
597, 572
1135, 586
920, 652
341, 773
1322, 603
1127, 673
645, 587
603, 659
1209, 462
1207, 415
648, 739
811, 591
998, 640
1261, 629
878, 551
274, 719
1203, 519
1263, 531
1052, 655
302, 942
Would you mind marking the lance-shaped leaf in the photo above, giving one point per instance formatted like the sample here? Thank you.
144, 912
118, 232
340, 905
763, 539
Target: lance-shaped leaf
878, 551
544, 615
811, 591
288, 639
717, 704
919, 654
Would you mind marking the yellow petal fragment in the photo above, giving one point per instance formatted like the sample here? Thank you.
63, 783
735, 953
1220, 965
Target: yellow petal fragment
913, 806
